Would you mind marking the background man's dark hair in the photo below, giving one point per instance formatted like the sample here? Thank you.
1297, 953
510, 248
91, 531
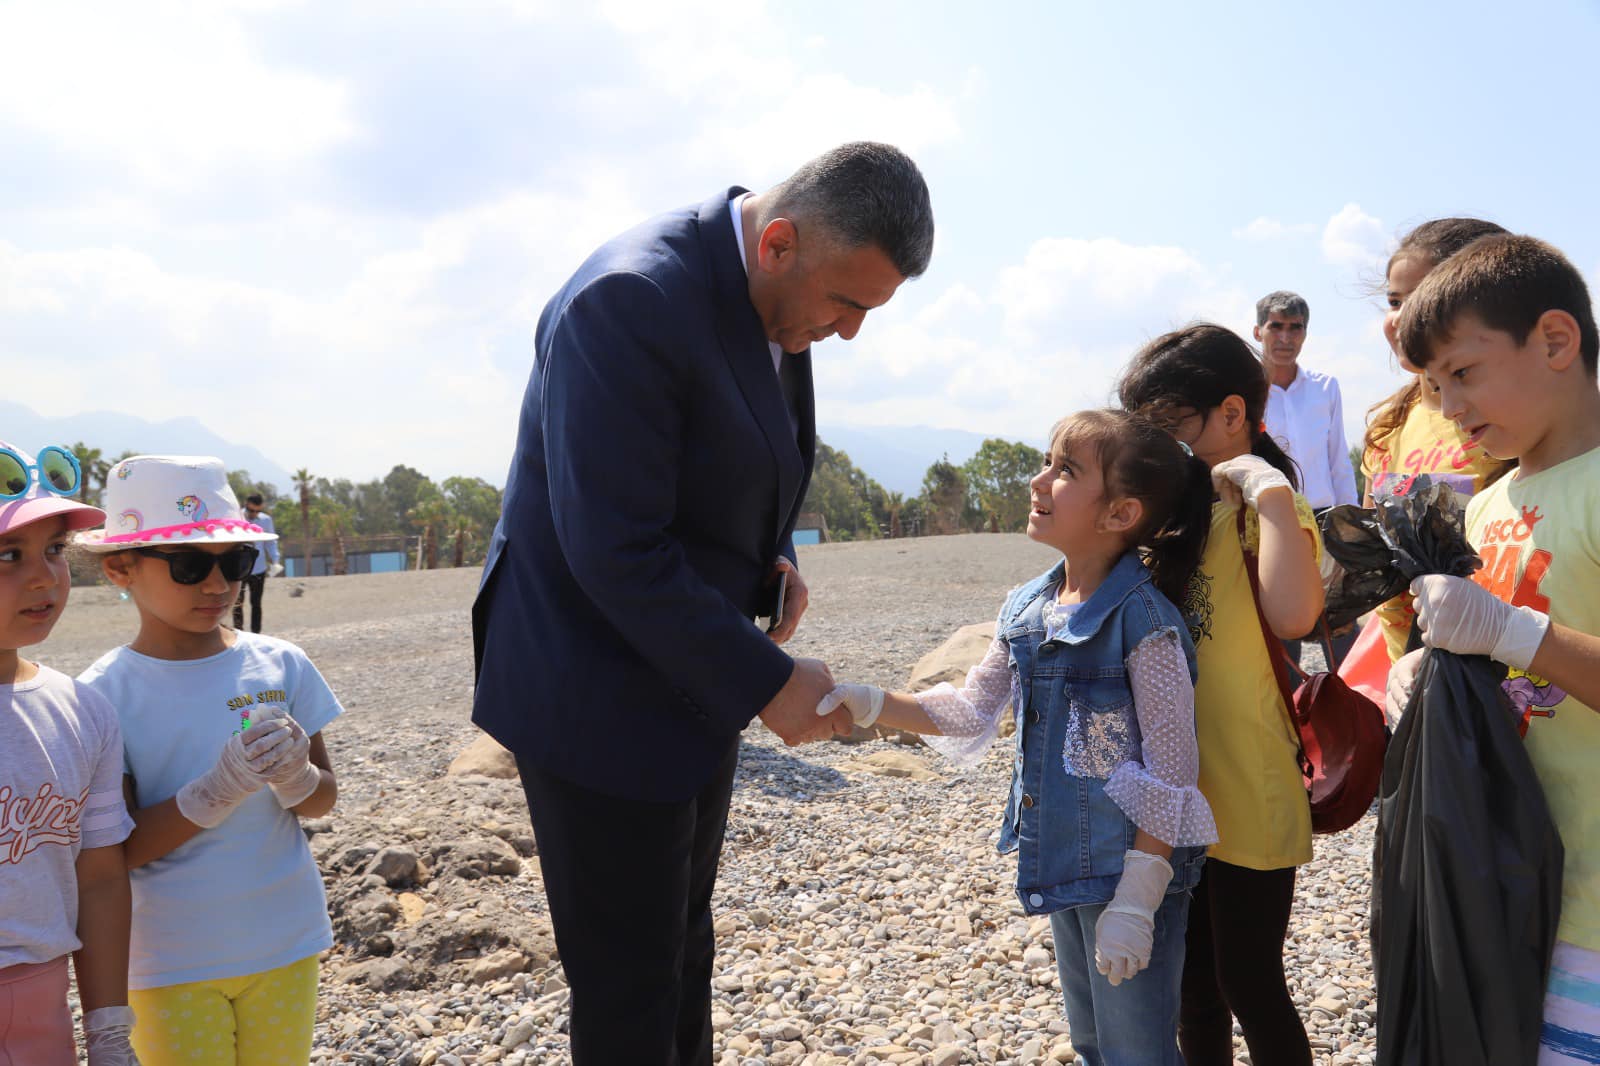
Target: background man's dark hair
255, 498
1283, 302
862, 193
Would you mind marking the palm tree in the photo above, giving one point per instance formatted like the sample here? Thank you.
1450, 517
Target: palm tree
431, 515
330, 524
302, 481
896, 501
95, 468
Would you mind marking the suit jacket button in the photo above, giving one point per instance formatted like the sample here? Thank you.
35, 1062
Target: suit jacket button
1027, 800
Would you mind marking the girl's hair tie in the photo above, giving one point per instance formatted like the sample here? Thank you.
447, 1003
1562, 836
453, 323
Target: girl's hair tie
1261, 429
1186, 449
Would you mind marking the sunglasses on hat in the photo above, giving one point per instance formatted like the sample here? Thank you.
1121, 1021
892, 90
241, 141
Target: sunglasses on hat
191, 566
57, 471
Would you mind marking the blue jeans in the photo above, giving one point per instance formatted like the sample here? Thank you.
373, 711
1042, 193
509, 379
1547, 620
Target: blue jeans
1134, 1023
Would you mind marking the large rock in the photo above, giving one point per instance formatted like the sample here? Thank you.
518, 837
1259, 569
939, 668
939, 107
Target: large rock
893, 764
485, 757
951, 660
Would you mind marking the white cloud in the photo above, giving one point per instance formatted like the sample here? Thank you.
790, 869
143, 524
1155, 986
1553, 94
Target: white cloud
1352, 238
1270, 229
170, 93
1048, 337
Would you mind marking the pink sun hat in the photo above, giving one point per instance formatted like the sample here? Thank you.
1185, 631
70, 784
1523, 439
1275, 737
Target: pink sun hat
37, 500
170, 499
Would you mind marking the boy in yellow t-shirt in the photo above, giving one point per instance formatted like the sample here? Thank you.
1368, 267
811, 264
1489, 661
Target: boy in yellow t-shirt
1506, 331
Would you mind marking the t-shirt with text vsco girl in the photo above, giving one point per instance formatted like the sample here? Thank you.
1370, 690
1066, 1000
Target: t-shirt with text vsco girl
60, 792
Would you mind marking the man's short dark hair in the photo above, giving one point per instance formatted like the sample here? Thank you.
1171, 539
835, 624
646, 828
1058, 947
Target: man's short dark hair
1283, 302
1506, 282
863, 193
254, 499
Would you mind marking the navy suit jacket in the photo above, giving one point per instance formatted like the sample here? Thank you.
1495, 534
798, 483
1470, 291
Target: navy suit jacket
657, 477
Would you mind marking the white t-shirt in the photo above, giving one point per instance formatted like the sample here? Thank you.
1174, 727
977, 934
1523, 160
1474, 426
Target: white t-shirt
60, 792
246, 896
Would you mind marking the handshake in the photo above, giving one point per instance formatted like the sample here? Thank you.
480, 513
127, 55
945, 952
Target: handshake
811, 707
273, 753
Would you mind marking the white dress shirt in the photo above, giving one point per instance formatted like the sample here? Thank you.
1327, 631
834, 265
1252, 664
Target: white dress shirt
1307, 421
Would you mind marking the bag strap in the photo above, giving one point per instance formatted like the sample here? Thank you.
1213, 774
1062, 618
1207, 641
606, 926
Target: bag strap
1275, 649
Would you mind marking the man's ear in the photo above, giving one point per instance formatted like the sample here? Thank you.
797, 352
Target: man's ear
1256, 333
1122, 515
1559, 337
778, 247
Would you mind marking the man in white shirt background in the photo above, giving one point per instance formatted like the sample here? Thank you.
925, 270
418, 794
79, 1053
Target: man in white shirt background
1305, 415
255, 584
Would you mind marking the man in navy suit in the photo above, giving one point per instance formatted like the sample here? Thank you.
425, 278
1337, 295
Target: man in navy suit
664, 450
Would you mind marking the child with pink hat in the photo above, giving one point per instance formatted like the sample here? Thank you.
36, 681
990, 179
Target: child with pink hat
224, 755
63, 877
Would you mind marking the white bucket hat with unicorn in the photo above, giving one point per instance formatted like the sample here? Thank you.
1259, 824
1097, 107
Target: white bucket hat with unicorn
170, 499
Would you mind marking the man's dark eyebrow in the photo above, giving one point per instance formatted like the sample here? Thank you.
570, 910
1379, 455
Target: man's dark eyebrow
842, 298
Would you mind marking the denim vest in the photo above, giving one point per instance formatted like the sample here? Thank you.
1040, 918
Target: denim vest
1075, 725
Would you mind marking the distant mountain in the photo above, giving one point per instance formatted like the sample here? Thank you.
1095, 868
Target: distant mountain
897, 457
114, 433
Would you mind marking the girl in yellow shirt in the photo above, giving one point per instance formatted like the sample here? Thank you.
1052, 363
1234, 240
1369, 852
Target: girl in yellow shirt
1407, 434
1206, 385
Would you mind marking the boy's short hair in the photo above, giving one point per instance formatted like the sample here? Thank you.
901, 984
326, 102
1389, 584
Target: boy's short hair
1507, 282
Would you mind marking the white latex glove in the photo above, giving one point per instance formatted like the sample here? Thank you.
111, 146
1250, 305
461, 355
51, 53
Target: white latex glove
210, 798
1125, 931
1397, 691
865, 702
286, 767
1464, 617
105, 1033
1250, 476
274, 569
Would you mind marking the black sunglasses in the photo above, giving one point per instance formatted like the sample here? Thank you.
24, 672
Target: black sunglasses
192, 566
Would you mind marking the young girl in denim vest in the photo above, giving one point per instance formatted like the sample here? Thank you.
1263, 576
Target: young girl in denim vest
1097, 666
224, 755
1205, 384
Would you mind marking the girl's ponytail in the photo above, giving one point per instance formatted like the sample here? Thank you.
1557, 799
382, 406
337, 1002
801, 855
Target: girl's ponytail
1174, 552
1263, 445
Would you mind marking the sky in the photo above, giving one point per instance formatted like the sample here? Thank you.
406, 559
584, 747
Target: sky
327, 229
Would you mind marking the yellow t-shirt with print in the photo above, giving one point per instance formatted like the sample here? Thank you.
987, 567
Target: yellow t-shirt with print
1539, 536
1249, 767
1426, 442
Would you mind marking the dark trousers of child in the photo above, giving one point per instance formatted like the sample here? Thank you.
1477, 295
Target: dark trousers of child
629, 884
1233, 967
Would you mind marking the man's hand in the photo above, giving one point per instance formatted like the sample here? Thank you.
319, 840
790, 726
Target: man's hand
1459, 615
795, 600
792, 713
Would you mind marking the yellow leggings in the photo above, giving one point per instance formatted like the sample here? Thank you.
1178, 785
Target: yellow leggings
261, 1019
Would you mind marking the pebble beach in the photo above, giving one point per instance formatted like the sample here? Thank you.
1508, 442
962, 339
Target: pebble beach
863, 915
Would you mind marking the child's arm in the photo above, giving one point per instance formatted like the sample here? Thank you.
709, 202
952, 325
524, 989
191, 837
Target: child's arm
969, 714
104, 912
1457, 614
1291, 584
209, 799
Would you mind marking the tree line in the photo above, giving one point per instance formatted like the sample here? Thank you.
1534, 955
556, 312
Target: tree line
987, 492
452, 519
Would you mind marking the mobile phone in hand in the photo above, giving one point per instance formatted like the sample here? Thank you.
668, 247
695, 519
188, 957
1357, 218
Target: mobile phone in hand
777, 610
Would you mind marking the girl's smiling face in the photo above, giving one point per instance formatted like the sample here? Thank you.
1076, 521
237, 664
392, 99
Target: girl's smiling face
1067, 498
34, 583
1405, 274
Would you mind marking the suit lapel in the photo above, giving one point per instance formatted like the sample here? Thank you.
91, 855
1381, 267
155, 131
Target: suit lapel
744, 345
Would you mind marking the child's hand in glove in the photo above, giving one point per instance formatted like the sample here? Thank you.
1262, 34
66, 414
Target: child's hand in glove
1125, 931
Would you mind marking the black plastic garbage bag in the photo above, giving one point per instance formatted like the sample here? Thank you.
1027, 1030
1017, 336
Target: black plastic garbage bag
1467, 865
1364, 572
